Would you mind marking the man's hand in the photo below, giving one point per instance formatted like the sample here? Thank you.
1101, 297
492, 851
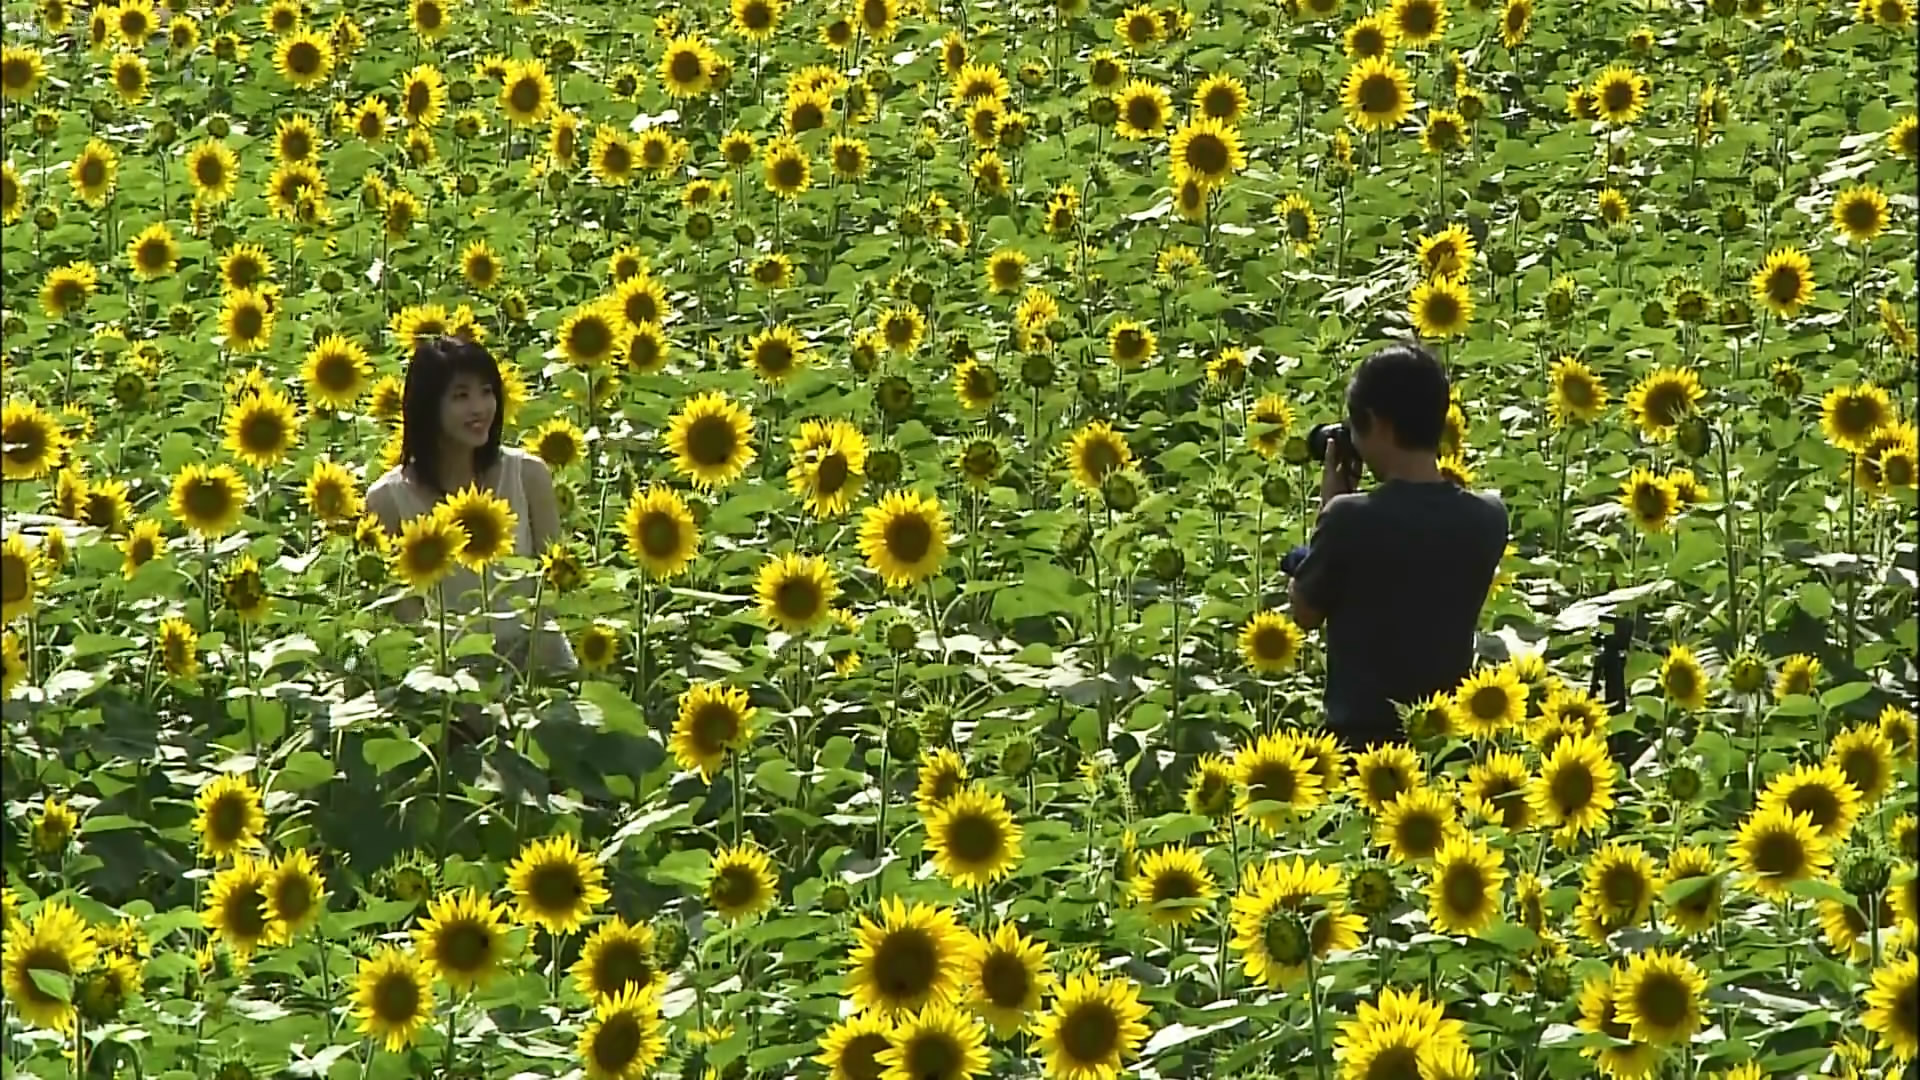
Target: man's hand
1336, 476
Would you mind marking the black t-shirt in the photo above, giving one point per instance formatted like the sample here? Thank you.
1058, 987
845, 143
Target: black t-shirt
1401, 573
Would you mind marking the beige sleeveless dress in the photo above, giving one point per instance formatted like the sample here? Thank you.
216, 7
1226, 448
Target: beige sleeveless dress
464, 592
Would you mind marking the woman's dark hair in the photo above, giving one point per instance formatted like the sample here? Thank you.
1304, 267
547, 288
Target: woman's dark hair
1406, 386
435, 362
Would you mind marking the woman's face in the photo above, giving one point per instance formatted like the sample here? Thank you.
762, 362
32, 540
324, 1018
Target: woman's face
466, 410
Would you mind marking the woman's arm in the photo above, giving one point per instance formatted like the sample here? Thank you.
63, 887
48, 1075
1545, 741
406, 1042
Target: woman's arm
543, 508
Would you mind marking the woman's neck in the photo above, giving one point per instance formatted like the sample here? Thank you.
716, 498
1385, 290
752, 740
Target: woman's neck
456, 469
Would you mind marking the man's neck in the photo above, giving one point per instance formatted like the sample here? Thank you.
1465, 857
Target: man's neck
1411, 466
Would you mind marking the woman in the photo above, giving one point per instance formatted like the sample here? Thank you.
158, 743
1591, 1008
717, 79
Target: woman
452, 417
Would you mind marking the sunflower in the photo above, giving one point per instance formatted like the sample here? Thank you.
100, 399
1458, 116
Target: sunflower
1382, 773
901, 329
976, 385
1142, 110
1658, 997
13, 194
463, 939
1695, 907
57, 941
1864, 756
429, 19
1417, 22
1096, 452
776, 353
1174, 885
711, 440
1616, 892
1775, 848
1578, 396
526, 93
796, 592
1276, 781
1490, 701
910, 958
1208, 150
557, 443
1007, 974
612, 157
973, 838
93, 171
623, 1040
1496, 790
555, 885
1682, 680
1221, 97
851, 1048
1092, 1028
177, 644
1622, 1058
904, 538
1416, 825
686, 67
1284, 913
938, 1042
430, 546
304, 59
1893, 1006
1448, 253
1851, 416
423, 96
393, 997
1516, 18
1619, 95
31, 440
828, 464
1270, 642
67, 289
1376, 94
617, 956
1650, 501
1463, 895
713, 720
1441, 307
21, 71
262, 428
208, 499
1821, 793
295, 894
942, 774
246, 318
660, 532
1784, 283
1574, 789
740, 883
237, 912
144, 541
1860, 213
19, 569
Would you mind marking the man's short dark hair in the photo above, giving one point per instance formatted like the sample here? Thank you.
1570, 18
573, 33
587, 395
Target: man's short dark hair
1406, 386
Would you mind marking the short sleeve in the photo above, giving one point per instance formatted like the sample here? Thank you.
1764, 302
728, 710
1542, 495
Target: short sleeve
1321, 580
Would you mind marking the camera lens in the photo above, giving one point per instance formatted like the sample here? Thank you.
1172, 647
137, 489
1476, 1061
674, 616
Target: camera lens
1317, 441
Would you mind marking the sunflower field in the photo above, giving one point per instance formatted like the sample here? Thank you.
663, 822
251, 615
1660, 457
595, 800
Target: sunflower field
925, 386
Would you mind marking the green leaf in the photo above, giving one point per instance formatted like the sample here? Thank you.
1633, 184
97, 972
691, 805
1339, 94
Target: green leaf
687, 868
617, 710
777, 775
57, 985
386, 755
304, 771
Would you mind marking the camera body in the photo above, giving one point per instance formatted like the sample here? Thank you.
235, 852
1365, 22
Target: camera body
1342, 438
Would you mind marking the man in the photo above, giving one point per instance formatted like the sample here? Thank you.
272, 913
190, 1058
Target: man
1399, 573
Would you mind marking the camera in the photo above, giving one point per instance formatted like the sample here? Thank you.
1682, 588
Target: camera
1342, 443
